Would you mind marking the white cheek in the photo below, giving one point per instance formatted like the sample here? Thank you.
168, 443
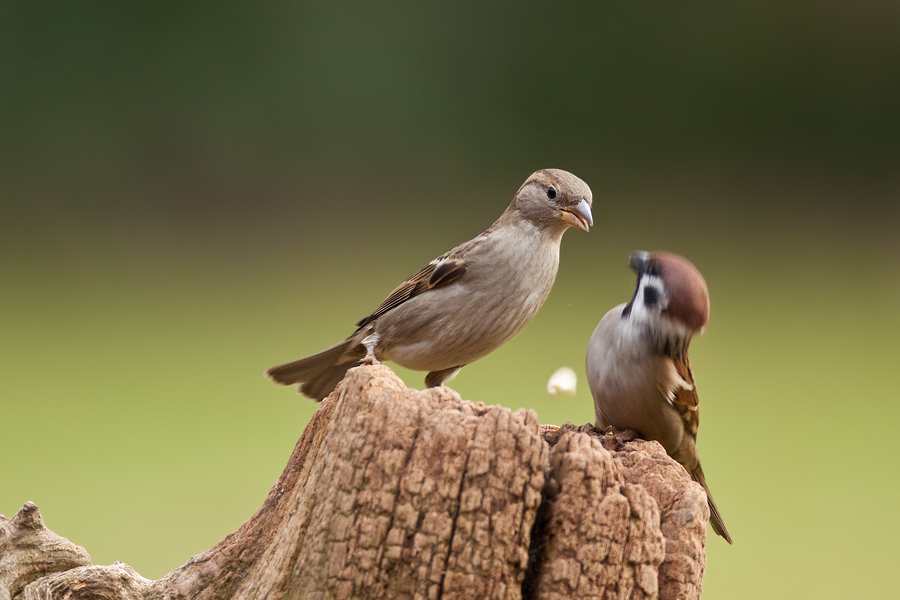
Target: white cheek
640, 311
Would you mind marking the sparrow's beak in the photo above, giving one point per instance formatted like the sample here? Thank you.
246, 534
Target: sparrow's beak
638, 261
577, 215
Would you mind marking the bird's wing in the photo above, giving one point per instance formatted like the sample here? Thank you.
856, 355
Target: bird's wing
685, 399
443, 270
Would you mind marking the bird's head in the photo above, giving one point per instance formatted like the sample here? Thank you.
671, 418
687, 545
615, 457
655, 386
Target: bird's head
554, 199
671, 298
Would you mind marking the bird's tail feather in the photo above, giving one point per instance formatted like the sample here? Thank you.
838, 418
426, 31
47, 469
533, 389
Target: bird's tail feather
324, 383
715, 519
317, 374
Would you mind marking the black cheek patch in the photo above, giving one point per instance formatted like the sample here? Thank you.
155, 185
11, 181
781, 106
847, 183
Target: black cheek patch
651, 296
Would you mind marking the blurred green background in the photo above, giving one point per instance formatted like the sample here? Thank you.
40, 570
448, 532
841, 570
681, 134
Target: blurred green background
191, 193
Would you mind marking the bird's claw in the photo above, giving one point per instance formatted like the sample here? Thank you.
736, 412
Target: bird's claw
613, 439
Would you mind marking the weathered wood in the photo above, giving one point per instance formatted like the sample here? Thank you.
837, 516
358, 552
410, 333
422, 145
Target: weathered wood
28, 551
681, 511
601, 536
397, 493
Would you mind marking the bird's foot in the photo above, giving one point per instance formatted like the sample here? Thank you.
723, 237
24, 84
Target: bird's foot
614, 439
438, 378
550, 433
370, 342
370, 360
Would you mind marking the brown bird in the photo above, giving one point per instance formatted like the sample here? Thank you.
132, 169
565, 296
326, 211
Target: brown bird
466, 303
637, 362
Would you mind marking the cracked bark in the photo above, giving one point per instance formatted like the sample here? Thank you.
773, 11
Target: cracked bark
396, 493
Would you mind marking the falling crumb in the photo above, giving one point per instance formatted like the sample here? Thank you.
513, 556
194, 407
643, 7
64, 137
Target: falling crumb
563, 382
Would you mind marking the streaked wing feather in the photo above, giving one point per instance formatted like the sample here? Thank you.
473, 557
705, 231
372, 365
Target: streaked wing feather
686, 401
447, 271
441, 271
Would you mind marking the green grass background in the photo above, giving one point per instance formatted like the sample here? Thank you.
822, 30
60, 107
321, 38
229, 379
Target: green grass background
191, 195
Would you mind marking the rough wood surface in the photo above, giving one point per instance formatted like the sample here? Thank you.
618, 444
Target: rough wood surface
601, 536
396, 493
681, 504
28, 551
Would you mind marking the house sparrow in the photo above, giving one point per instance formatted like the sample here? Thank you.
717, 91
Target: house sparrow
637, 362
466, 303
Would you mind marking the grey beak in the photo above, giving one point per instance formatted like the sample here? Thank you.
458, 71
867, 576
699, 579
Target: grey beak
577, 215
638, 261
583, 210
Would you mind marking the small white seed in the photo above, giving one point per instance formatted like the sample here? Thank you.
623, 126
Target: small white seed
563, 382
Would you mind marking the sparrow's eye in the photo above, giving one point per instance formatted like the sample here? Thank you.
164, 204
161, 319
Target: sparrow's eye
651, 296
551, 192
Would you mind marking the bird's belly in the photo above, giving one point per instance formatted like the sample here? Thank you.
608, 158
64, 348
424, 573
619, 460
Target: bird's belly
636, 402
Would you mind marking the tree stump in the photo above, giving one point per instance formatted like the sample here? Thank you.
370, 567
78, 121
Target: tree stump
397, 493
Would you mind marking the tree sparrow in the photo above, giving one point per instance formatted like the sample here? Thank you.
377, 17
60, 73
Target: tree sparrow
637, 362
466, 303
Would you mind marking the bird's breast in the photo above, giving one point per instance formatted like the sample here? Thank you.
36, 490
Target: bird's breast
629, 382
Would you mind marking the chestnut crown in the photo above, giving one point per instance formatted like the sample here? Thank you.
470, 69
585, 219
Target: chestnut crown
672, 286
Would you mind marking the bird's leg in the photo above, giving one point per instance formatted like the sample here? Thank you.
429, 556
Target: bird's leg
436, 378
370, 341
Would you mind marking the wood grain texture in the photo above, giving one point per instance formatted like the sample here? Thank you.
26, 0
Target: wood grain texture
397, 493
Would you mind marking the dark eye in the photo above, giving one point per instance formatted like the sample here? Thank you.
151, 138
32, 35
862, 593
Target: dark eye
551, 192
651, 296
